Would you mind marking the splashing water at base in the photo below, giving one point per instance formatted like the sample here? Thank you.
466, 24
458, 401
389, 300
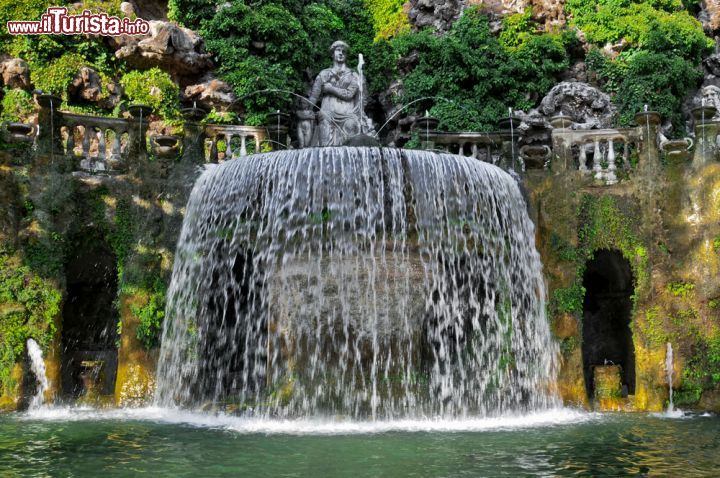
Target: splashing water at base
357, 282
37, 365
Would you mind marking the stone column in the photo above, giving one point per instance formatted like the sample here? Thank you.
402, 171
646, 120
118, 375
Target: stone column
706, 131
649, 154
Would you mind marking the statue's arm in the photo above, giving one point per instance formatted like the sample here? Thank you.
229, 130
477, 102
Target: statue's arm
345, 94
316, 89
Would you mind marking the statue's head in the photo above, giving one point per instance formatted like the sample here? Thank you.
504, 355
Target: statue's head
339, 50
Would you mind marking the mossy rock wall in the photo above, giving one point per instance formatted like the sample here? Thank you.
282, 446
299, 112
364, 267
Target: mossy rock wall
49, 217
666, 224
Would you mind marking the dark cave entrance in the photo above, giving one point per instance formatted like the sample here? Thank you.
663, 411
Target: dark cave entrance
607, 310
89, 327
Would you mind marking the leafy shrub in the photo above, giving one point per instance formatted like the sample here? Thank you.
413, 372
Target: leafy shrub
389, 18
151, 315
55, 76
28, 307
17, 105
476, 76
155, 88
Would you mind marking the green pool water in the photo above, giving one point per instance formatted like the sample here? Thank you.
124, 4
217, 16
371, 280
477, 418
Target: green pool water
154, 442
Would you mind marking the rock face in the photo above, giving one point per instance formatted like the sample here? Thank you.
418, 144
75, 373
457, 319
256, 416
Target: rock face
175, 49
87, 86
211, 93
15, 73
709, 15
551, 13
586, 105
438, 14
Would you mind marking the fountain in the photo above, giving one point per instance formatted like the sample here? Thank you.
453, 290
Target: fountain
37, 365
357, 281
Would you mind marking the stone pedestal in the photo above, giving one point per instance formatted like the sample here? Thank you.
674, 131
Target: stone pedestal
608, 387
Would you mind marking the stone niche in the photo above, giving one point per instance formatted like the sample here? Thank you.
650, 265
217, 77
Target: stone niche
608, 349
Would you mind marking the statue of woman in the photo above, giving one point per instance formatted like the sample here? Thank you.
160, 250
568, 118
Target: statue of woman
339, 117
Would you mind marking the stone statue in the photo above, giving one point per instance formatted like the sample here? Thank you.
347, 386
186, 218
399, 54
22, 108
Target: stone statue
711, 95
339, 91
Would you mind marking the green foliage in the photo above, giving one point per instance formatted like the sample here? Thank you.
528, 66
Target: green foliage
55, 76
680, 289
479, 76
716, 243
17, 105
570, 299
28, 307
604, 226
121, 236
660, 63
151, 315
702, 370
155, 88
388, 16
652, 327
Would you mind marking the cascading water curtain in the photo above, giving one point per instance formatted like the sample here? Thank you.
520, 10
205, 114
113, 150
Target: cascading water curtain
362, 282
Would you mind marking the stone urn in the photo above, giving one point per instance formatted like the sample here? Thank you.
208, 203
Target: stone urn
703, 114
140, 111
677, 149
426, 123
165, 146
535, 156
49, 101
19, 132
91, 377
561, 121
193, 114
512, 122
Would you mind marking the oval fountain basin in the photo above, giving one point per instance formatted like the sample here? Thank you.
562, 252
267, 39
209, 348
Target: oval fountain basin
360, 281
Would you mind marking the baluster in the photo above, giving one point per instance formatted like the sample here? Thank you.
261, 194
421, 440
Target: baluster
102, 147
626, 156
257, 143
474, 151
86, 141
243, 145
597, 158
610, 177
583, 158
115, 148
228, 150
70, 147
213, 150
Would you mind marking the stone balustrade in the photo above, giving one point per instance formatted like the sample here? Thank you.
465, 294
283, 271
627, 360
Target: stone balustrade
100, 143
600, 152
239, 140
494, 148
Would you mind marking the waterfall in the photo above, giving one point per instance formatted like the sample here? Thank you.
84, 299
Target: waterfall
37, 365
361, 282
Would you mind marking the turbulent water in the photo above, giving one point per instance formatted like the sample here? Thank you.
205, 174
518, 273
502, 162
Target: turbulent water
361, 282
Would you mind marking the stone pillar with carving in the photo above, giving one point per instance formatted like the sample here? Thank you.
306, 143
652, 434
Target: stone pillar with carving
562, 158
706, 132
649, 153
49, 139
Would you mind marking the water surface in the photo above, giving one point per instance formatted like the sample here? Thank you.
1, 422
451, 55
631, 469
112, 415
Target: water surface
156, 442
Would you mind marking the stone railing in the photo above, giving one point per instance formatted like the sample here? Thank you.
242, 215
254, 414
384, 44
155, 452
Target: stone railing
241, 140
100, 143
495, 148
605, 152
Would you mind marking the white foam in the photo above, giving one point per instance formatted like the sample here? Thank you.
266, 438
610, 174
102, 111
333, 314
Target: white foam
314, 426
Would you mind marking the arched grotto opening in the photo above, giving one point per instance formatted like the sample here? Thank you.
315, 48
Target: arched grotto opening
90, 318
607, 309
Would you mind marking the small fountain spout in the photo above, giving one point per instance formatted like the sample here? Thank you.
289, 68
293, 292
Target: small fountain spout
37, 365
